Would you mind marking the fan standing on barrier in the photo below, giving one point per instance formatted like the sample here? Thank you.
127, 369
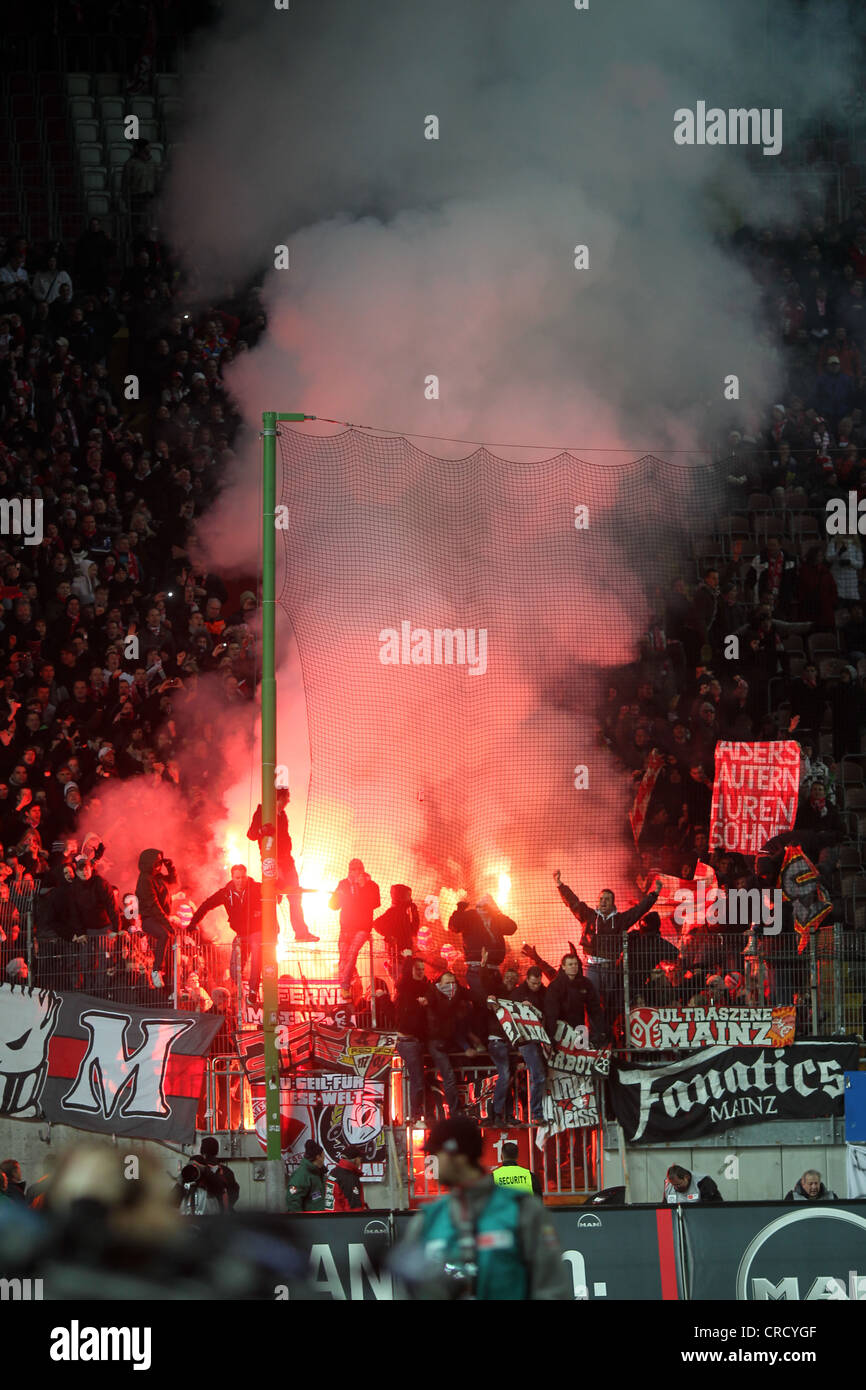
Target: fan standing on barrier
288, 882
242, 899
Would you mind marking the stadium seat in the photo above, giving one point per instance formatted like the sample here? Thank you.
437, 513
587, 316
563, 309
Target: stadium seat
148, 130
82, 109
19, 82
107, 84
64, 175
171, 116
98, 204
112, 109
77, 84
114, 133
86, 132
822, 642
118, 154
759, 502
768, 524
796, 666
49, 83
166, 84
157, 153
143, 107
90, 154
93, 179
852, 773
796, 499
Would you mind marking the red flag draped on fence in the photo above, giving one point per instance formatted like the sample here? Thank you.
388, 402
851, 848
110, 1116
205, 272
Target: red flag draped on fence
754, 794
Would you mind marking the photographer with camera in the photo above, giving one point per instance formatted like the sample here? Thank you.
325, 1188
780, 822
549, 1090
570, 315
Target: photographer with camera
200, 1190
155, 874
482, 1241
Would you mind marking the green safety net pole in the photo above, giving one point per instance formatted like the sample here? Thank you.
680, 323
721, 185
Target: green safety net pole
275, 1178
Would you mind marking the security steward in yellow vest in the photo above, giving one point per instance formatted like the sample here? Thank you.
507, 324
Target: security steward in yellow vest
510, 1174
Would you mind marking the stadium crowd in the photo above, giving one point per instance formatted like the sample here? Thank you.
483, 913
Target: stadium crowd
107, 629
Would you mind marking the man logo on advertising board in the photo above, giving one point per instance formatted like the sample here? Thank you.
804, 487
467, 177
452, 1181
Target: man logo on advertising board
785, 1262
589, 1222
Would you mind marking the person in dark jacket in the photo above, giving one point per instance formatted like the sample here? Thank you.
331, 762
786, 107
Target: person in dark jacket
93, 910
209, 1158
483, 928
484, 986
810, 1188
15, 1187
306, 1189
288, 882
533, 991
242, 899
57, 962
573, 998
683, 1186
348, 1191
647, 948
417, 1034
356, 897
601, 940
452, 1016
155, 875
398, 924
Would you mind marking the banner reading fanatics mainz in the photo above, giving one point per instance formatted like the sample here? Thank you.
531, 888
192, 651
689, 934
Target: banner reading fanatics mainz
722, 1087
677, 1026
754, 794
95, 1065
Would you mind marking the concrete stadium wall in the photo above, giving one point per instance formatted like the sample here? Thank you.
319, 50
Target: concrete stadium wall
750, 1164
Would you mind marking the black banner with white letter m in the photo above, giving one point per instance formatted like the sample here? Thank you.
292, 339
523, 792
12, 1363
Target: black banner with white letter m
728, 1086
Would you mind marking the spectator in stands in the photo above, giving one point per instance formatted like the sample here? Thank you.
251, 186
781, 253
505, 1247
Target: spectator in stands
846, 560
155, 876
398, 924
416, 1028
810, 1188
348, 1190
534, 992
242, 899
306, 1187
572, 999
483, 929
809, 700
92, 909
601, 939
834, 392
683, 1186
773, 570
356, 897
817, 590
209, 1156
452, 1017
288, 882
15, 1185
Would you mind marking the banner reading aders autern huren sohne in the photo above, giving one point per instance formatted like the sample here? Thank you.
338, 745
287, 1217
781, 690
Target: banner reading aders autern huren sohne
92, 1064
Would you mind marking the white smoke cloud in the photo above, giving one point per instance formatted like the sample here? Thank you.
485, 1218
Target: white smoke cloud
455, 258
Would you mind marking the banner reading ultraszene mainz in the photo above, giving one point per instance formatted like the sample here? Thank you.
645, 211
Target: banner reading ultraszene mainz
727, 1086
